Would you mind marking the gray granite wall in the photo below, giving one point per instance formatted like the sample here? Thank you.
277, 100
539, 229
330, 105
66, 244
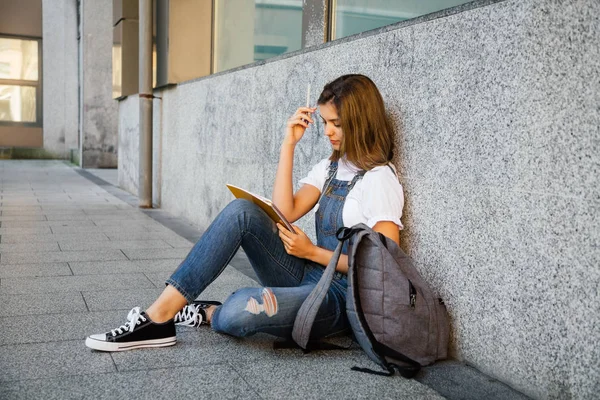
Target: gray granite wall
99, 141
498, 148
59, 55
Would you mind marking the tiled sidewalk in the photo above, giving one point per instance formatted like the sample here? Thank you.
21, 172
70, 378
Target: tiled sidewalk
74, 259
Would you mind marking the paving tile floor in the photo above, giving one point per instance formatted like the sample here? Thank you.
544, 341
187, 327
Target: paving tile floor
75, 258
76, 254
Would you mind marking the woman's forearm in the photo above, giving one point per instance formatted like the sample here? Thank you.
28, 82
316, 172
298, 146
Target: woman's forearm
283, 190
323, 256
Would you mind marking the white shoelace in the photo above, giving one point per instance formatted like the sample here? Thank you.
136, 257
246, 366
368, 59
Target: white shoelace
133, 319
188, 316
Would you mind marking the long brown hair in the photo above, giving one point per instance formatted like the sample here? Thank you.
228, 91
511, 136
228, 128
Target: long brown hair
368, 133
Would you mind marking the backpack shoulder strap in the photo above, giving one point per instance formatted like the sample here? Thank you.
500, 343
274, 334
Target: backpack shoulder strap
308, 311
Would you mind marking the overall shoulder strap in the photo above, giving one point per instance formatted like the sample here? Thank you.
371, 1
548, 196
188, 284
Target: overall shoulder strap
359, 175
331, 171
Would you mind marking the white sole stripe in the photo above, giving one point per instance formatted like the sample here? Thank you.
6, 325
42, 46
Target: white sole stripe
112, 346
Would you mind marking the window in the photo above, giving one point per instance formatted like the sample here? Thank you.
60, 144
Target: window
200, 37
251, 30
20, 96
355, 16
17, 103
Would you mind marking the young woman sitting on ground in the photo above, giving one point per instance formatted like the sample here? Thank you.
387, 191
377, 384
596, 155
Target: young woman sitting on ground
357, 183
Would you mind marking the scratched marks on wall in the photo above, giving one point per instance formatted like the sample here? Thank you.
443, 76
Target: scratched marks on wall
205, 122
396, 51
298, 79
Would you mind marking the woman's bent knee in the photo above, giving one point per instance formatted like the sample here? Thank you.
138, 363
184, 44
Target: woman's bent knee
232, 318
239, 206
246, 214
241, 313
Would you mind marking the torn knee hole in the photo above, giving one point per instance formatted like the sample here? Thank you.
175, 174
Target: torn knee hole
268, 304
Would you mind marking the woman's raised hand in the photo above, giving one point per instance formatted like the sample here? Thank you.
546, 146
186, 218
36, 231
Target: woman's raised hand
297, 124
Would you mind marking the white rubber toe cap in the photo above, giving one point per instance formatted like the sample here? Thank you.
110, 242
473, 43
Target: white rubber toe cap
98, 342
100, 336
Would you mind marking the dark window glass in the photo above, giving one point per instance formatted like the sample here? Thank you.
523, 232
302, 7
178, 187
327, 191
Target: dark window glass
355, 16
247, 31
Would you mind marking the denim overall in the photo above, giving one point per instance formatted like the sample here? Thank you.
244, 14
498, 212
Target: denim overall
328, 218
286, 280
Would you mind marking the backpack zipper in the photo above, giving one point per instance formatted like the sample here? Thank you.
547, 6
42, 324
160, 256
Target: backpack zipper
413, 294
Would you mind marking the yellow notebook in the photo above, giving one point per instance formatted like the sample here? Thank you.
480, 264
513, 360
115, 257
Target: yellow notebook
264, 203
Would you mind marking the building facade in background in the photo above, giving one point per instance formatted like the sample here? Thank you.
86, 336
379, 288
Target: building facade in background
55, 73
21, 75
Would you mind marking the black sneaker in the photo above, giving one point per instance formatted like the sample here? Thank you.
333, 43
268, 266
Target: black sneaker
138, 331
194, 314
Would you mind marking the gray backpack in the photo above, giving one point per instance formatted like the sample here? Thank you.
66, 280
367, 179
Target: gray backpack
393, 313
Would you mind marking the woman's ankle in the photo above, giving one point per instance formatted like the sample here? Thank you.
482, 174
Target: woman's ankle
166, 306
157, 315
209, 313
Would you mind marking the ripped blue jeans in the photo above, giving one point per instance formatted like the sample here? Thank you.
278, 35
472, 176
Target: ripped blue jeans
286, 280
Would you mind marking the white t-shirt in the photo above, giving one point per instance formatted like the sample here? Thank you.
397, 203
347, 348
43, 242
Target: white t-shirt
378, 196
